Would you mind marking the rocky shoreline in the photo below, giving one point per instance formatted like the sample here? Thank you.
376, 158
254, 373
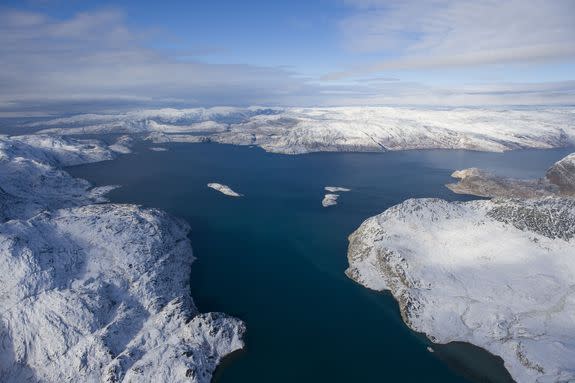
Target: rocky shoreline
559, 180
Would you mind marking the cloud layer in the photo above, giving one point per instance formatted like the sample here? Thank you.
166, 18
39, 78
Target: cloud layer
93, 61
94, 58
454, 33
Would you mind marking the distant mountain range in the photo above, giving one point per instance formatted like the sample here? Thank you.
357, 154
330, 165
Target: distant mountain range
366, 129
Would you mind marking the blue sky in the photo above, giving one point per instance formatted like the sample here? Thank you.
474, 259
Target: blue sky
89, 55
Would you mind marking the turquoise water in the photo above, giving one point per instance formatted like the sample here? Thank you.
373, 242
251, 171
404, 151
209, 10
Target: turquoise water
276, 258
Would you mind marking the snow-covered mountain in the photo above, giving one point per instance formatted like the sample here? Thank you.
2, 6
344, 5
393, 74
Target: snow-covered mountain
31, 179
498, 274
303, 130
94, 292
562, 174
559, 180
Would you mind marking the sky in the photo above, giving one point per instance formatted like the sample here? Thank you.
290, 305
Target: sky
73, 56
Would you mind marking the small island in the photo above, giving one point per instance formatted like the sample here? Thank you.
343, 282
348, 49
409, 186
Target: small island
335, 189
224, 189
330, 199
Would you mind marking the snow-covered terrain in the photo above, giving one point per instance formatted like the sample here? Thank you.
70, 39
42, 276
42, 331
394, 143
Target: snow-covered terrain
559, 180
123, 145
101, 293
498, 274
94, 292
30, 178
303, 130
224, 189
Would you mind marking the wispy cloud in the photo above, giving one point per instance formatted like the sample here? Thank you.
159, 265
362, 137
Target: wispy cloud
449, 33
94, 56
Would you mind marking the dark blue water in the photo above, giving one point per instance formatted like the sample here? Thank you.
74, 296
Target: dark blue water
276, 258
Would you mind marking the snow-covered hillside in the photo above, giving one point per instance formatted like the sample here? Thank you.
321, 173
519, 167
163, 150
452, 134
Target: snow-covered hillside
498, 274
94, 292
559, 180
31, 179
562, 174
303, 130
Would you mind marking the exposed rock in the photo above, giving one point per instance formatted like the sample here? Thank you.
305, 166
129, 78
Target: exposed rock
559, 180
562, 174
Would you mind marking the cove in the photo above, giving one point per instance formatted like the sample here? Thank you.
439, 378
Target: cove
275, 257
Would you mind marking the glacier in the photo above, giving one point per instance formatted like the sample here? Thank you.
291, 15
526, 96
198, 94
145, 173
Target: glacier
368, 129
93, 291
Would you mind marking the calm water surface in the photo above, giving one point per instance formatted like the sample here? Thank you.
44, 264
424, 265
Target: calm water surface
276, 258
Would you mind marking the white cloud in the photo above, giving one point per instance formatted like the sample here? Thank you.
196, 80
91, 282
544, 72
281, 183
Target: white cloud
95, 57
446, 33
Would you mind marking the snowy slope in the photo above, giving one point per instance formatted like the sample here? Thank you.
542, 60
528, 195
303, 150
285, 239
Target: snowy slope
498, 274
101, 293
303, 130
30, 178
94, 293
